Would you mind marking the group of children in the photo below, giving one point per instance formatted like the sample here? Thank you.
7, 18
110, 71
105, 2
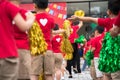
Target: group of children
102, 67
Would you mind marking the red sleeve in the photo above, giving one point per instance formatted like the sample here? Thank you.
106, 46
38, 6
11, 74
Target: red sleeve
23, 12
93, 43
12, 10
117, 21
103, 22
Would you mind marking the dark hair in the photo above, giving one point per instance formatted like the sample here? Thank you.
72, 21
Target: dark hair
56, 27
99, 29
75, 23
114, 6
41, 4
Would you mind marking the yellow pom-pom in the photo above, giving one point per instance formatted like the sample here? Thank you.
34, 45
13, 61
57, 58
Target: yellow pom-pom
79, 13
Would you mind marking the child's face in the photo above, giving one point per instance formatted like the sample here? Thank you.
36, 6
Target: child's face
96, 32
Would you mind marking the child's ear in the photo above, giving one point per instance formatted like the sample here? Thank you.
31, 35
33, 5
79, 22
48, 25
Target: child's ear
35, 6
109, 12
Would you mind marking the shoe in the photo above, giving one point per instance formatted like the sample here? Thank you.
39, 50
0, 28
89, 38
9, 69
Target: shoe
70, 76
79, 71
75, 71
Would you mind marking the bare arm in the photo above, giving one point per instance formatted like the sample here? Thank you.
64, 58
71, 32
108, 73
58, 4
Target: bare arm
22, 24
84, 19
92, 49
80, 24
58, 31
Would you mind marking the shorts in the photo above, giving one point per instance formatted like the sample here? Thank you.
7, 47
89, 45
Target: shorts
116, 75
58, 60
43, 64
9, 68
98, 72
25, 63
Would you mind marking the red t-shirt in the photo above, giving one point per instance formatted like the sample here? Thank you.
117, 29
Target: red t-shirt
21, 37
74, 34
117, 21
46, 24
7, 43
107, 23
97, 44
56, 43
87, 45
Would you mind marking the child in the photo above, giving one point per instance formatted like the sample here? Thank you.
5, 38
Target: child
75, 62
95, 48
22, 43
43, 64
8, 50
56, 43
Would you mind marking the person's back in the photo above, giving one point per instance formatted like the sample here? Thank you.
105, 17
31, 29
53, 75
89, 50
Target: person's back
43, 64
46, 24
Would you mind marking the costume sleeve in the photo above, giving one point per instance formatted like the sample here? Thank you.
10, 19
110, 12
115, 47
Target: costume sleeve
117, 21
12, 10
102, 22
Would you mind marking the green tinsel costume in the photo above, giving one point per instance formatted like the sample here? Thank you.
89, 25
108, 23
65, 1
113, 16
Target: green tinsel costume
89, 56
80, 39
109, 60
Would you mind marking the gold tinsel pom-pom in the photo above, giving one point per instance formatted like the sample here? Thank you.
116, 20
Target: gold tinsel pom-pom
38, 44
66, 46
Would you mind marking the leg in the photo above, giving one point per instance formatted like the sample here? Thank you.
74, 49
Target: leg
9, 68
49, 65
78, 64
25, 64
75, 57
116, 75
84, 65
36, 67
68, 67
107, 76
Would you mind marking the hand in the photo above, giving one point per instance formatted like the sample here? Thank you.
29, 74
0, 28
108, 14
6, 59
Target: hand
30, 15
73, 18
114, 31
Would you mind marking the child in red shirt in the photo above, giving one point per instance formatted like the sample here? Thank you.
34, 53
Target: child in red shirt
8, 49
22, 43
96, 45
56, 44
43, 64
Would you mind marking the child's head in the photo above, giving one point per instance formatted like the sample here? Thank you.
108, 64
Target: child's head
113, 7
41, 4
56, 27
98, 30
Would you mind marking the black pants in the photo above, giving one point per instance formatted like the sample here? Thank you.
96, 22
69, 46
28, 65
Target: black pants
75, 62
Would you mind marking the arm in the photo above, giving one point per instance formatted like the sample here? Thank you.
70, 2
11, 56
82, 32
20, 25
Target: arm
84, 19
116, 27
22, 24
58, 31
80, 24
